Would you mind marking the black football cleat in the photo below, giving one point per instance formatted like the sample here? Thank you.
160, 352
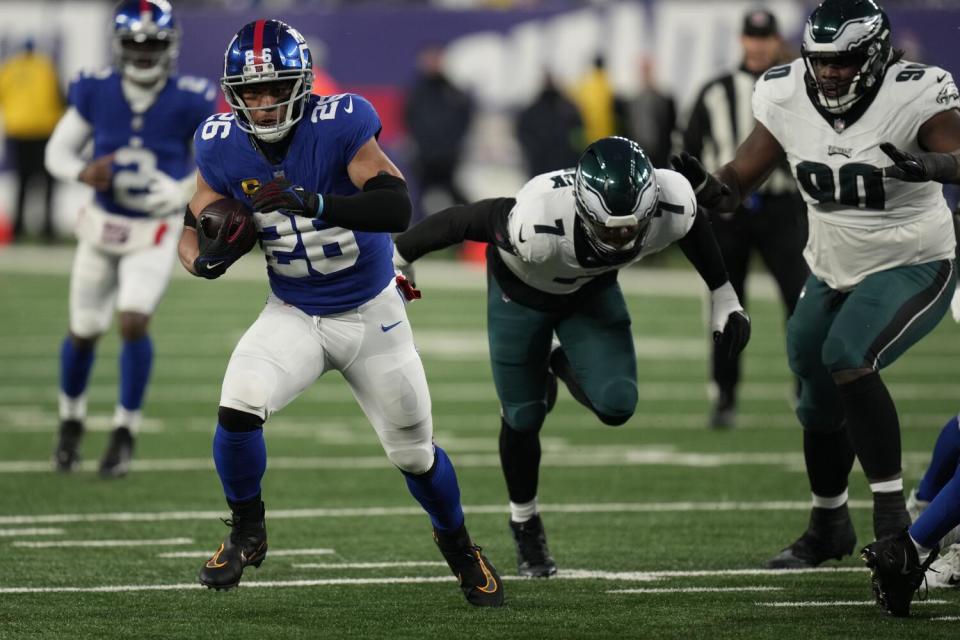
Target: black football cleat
533, 555
478, 578
896, 572
246, 545
724, 412
115, 462
66, 457
829, 536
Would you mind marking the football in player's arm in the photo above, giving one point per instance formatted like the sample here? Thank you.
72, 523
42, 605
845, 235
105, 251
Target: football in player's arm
324, 199
553, 255
868, 137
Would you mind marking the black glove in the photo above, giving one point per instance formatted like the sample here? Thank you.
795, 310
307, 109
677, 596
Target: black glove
211, 267
736, 334
280, 193
709, 190
225, 232
919, 167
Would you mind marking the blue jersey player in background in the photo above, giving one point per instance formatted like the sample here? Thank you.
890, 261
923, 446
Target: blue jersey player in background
325, 198
140, 118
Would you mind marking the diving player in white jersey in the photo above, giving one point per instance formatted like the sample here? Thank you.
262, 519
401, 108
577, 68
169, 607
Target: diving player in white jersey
880, 249
140, 118
553, 257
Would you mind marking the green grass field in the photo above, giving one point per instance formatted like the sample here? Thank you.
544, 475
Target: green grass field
659, 526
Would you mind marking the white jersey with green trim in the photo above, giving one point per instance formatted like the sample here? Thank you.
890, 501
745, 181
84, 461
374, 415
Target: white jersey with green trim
861, 222
542, 223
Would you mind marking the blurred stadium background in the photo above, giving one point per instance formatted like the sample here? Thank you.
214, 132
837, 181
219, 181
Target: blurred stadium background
498, 51
661, 494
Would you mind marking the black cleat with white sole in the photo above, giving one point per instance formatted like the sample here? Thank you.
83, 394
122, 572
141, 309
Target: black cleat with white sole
246, 545
533, 555
66, 456
115, 462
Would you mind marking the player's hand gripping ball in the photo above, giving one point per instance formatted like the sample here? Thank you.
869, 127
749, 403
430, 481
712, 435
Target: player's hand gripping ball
225, 232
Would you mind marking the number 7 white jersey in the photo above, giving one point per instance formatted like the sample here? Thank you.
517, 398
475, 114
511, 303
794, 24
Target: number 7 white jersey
548, 252
860, 222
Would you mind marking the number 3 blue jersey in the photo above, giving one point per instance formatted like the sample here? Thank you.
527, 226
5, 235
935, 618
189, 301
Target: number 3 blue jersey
158, 139
315, 267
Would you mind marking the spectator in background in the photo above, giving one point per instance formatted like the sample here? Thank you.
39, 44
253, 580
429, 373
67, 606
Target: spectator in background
31, 105
437, 116
598, 104
651, 116
550, 131
773, 220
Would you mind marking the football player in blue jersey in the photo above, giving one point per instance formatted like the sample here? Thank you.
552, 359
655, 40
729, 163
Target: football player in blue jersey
899, 562
324, 198
140, 118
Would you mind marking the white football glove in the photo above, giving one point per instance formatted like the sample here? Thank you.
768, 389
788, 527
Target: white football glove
403, 267
955, 305
728, 321
166, 196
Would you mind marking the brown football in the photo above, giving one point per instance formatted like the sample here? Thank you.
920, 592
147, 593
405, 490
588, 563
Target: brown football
241, 232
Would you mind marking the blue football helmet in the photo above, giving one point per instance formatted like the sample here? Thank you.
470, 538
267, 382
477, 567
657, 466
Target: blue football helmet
268, 51
146, 40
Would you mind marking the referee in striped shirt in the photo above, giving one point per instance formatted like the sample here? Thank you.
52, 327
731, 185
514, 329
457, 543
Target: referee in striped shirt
772, 221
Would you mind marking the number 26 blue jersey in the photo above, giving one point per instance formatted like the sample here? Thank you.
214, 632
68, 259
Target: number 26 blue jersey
315, 267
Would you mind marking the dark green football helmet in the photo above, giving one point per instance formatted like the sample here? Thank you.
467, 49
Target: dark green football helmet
616, 194
850, 32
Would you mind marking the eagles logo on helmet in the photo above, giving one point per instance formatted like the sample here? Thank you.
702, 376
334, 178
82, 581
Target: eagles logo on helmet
268, 51
146, 40
846, 32
616, 194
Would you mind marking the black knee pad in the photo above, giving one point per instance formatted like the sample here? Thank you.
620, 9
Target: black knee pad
526, 418
617, 402
238, 421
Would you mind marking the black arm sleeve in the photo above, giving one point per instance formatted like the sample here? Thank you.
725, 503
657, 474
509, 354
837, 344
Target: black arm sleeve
189, 220
383, 205
483, 221
701, 249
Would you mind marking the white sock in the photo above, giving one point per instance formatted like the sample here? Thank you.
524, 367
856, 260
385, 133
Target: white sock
922, 551
523, 511
887, 486
73, 408
127, 418
830, 503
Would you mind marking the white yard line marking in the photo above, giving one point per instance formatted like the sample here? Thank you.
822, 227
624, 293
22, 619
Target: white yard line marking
273, 553
565, 457
834, 603
945, 619
367, 565
48, 544
695, 589
285, 514
649, 576
45, 531
322, 582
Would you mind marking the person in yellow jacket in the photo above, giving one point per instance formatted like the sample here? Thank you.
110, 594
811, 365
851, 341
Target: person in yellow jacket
31, 104
597, 102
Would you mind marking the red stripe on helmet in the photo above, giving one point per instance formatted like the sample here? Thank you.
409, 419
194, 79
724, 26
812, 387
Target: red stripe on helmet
258, 41
145, 7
